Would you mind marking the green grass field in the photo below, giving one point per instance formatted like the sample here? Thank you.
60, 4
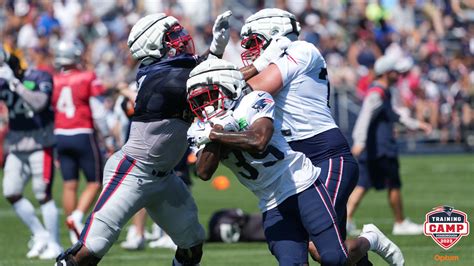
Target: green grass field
429, 181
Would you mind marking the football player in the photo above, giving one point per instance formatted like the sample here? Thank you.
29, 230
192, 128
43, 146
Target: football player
298, 80
240, 130
375, 144
141, 175
30, 143
74, 129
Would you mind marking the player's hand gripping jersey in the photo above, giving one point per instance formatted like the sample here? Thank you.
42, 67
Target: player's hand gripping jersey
29, 129
303, 102
72, 91
278, 172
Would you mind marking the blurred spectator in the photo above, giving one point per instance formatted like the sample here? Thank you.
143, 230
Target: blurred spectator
437, 34
41, 59
47, 23
27, 36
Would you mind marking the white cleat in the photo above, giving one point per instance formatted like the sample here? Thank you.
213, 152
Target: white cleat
163, 242
135, 243
39, 245
384, 247
51, 252
156, 232
407, 227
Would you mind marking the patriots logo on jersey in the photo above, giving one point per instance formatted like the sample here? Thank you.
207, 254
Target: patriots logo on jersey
262, 103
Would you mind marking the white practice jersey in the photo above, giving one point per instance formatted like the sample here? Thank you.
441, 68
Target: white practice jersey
303, 103
278, 172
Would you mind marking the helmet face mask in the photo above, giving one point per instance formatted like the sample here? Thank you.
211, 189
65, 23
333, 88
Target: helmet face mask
207, 101
254, 44
260, 28
214, 87
158, 36
178, 41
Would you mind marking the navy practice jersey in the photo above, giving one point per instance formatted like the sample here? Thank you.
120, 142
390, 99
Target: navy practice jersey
162, 89
21, 116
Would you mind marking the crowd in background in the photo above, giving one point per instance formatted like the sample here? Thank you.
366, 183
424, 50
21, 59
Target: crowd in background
437, 35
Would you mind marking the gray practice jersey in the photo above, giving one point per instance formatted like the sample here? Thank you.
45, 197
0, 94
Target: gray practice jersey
160, 144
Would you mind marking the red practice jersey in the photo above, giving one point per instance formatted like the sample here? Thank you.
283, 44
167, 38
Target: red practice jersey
71, 94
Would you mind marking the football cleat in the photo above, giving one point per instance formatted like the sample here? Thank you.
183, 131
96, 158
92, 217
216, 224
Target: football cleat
51, 252
407, 227
39, 245
156, 232
163, 242
384, 247
133, 240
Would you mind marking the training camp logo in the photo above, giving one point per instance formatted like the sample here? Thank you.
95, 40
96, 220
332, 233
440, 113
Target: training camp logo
446, 226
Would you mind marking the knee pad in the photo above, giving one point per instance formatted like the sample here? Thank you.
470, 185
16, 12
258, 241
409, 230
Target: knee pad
190, 256
333, 258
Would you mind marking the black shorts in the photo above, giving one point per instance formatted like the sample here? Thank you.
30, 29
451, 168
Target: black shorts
80, 151
382, 173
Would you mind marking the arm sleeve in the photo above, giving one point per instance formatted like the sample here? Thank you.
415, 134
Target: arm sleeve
406, 120
370, 108
37, 100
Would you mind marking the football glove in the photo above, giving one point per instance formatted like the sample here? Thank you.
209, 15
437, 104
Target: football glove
220, 33
198, 133
274, 50
6, 73
227, 121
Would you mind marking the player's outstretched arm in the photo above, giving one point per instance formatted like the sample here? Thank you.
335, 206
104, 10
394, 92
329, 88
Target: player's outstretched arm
220, 36
255, 139
37, 100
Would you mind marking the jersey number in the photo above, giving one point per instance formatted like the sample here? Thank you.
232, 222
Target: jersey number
252, 172
65, 103
18, 107
323, 75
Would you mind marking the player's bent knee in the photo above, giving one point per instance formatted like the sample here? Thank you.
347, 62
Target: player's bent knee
190, 236
42, 197
13, 198
190, 256
333, 258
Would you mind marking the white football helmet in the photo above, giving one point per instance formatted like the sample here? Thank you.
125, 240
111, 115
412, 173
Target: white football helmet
158, 35
260, 28
213, 87
68, 53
